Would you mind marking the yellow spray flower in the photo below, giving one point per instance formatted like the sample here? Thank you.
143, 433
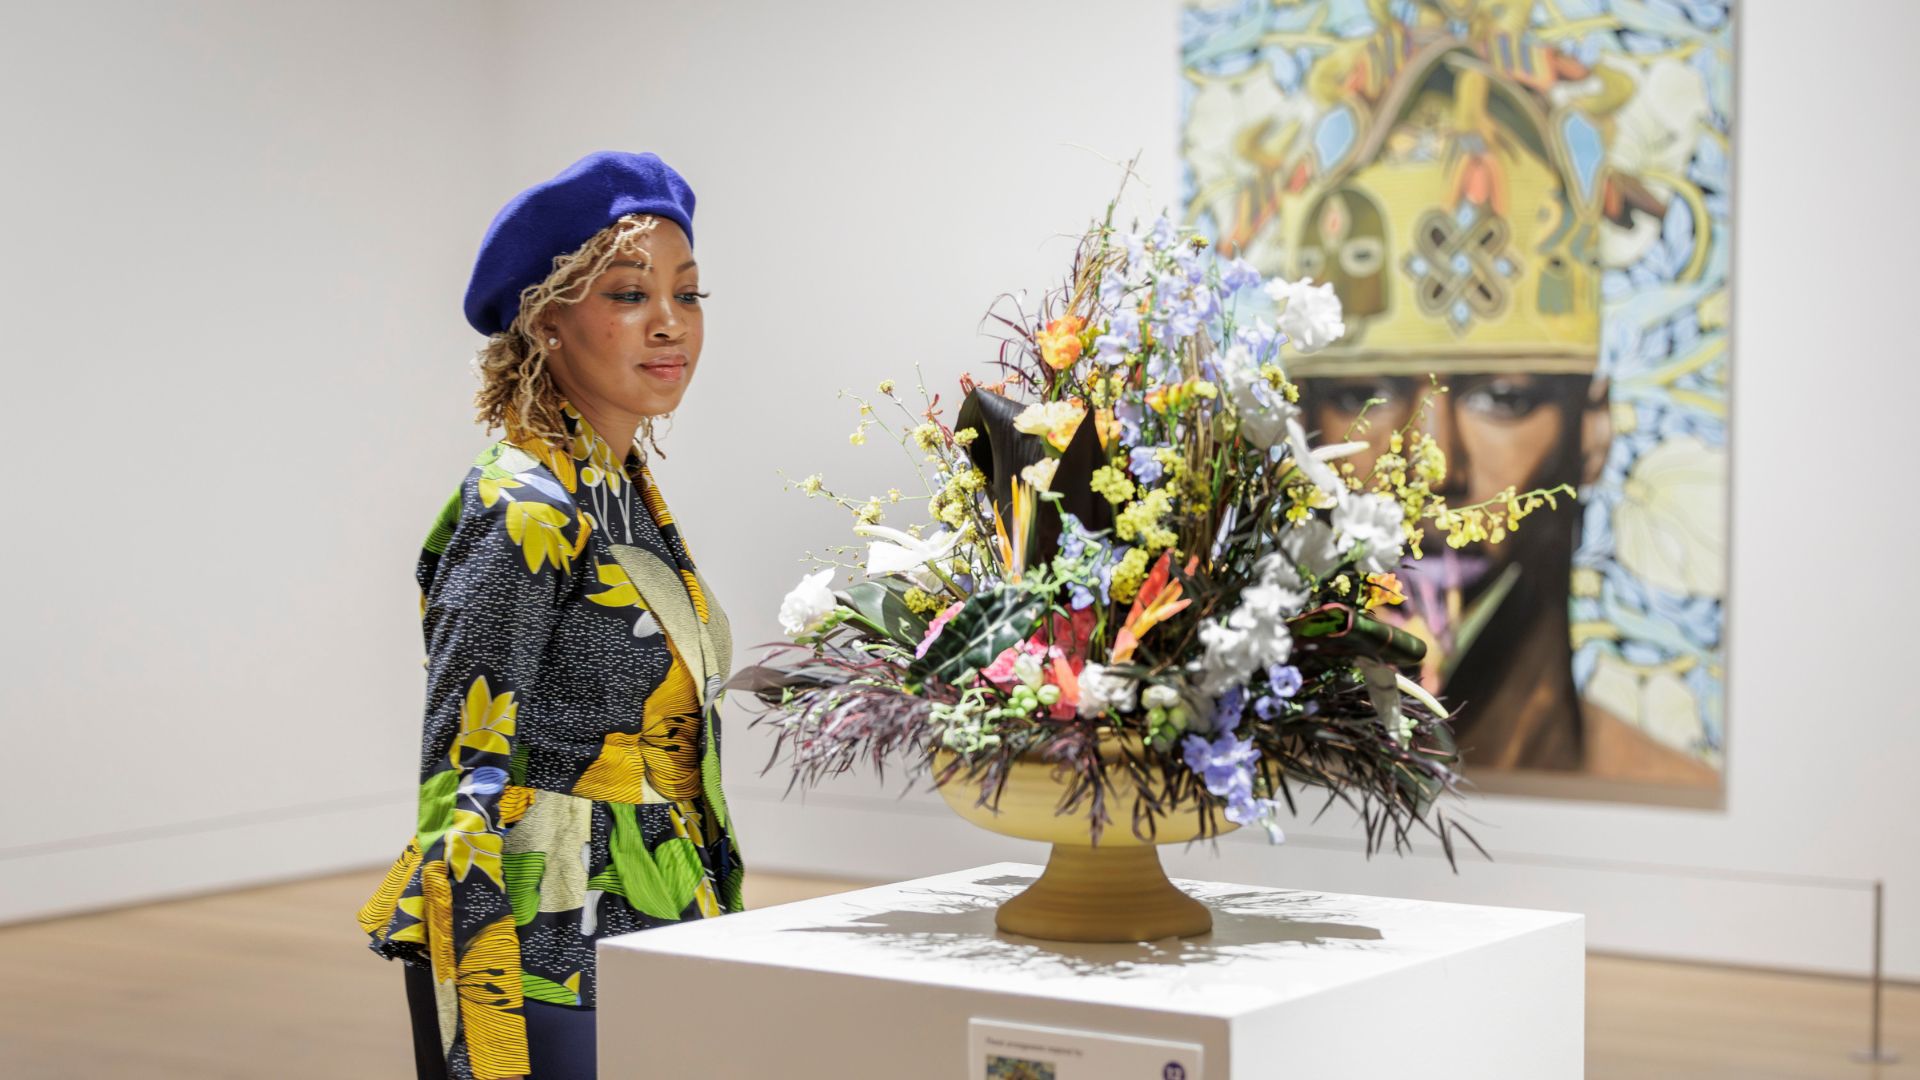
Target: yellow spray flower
1112, 483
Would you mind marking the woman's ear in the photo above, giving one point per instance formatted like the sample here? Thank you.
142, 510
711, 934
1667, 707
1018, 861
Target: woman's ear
1596, 431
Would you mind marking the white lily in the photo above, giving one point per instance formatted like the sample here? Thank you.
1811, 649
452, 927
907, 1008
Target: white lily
896, 552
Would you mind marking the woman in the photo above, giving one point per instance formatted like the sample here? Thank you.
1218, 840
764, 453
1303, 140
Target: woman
570, 783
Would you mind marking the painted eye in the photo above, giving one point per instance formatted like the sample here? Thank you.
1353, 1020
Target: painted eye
1503, 399
1351, 398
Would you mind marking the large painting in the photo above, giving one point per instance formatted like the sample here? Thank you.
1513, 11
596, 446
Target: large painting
1530, 201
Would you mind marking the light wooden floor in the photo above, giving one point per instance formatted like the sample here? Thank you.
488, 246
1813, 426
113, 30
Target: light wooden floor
276, 982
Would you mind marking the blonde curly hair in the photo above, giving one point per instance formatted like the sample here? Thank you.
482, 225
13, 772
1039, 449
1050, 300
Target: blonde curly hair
517, 392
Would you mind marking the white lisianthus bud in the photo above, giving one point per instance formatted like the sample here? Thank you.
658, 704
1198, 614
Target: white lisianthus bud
1026, 668
1158, 696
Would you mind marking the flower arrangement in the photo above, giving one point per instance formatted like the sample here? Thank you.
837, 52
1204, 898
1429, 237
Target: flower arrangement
1131, 536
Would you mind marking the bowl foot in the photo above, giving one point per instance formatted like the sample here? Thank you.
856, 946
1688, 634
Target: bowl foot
1111, 893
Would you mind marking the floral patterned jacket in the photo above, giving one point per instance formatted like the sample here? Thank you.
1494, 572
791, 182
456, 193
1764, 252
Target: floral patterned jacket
570, 758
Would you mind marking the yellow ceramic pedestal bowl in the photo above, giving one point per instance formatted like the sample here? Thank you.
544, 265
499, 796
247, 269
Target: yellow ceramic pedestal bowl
1116, 891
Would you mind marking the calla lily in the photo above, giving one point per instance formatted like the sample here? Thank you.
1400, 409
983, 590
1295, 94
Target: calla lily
896, 552
1419, 693
1339, 450
1312, 467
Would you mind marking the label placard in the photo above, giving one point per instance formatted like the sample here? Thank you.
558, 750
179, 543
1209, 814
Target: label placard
1002, 1050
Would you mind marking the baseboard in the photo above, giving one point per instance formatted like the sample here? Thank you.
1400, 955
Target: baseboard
147, 864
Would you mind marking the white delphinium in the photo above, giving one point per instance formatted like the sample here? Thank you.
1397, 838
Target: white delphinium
1254, 634
1313, 546
1373, 522
808, 603
1264, 411
1104, 693
1311, 318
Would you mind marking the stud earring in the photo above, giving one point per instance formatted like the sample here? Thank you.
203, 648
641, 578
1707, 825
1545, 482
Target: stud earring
553, 342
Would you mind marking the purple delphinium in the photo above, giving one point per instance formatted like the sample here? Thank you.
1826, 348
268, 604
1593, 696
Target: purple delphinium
1261, 340
1228, 710
1225, 765
1128, 415
1145, 466
1075, 543
1283, 682
1239, 274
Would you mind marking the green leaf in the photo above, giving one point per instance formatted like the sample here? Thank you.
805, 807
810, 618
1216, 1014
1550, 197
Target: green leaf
984, 627
881, 604
535, 988
441, 534
1343, 631
730, 891
660, 882
436, 807
524, 870
710, 776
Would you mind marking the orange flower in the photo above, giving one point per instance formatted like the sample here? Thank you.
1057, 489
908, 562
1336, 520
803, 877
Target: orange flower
1060, 343
1385, 589
1157, 602
1103, 426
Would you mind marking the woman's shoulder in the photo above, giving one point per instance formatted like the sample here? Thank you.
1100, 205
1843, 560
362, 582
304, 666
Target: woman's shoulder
511, 493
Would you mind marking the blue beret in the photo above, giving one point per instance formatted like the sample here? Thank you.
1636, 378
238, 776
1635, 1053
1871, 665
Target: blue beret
558, 216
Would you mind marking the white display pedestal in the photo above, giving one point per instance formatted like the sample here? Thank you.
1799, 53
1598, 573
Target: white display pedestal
883, 983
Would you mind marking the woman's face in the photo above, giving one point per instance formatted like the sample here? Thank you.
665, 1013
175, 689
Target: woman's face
629, 347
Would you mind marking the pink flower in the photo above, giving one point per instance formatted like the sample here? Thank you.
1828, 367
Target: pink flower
933, 629
1000, 672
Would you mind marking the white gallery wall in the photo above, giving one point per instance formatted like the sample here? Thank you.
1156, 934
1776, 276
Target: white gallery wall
238, 237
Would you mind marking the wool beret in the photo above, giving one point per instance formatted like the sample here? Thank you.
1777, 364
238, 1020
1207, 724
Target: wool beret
557, 216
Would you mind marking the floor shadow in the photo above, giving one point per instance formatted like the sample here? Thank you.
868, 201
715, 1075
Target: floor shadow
954, 924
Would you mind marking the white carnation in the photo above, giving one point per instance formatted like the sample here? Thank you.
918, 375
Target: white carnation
1103, 693
1311, 319
808, 603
